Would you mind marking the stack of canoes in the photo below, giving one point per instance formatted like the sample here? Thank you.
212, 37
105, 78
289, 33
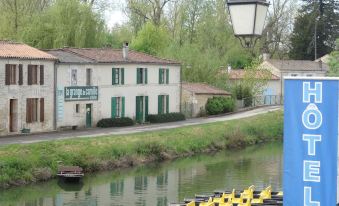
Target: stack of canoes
248, 197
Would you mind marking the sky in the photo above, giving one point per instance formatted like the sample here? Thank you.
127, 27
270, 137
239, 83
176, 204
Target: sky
116, 15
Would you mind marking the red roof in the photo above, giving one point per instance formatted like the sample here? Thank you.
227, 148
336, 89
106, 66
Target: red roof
9, 49
238, 74
109, 55
201, 88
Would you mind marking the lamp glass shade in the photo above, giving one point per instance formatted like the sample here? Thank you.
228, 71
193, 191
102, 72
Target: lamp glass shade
260, 19
242, 18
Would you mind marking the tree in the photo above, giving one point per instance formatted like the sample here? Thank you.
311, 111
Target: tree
334, 62
151, 39
320, 17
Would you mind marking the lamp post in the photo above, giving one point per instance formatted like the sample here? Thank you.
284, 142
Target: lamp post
248, 19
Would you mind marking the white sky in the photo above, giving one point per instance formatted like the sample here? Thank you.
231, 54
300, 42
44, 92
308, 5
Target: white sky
116, 15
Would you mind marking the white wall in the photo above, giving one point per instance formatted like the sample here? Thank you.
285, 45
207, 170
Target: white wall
102, 77
22, 92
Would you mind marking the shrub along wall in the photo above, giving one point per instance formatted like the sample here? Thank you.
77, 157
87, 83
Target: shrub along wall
170, 117
22, 164
219, 105
115, 122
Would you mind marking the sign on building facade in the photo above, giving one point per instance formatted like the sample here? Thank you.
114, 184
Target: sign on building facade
311, 142
81, 93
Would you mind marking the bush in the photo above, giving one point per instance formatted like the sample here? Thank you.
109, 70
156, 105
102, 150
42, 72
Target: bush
219, 105
243, 93
170, 117
115, 122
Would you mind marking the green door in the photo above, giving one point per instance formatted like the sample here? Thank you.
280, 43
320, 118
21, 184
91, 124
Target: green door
139, 109
88, 115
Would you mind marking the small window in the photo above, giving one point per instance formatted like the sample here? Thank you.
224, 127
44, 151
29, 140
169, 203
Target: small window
118, 107
74, 77
88, 77
77, 108
10, 74
31, 110
163, 104
32, 74
163, 76
118, 76
294, 75
309, 75
142, 76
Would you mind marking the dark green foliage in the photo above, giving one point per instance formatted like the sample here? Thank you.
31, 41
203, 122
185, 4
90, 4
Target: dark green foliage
248, 96
117, 122
219, 105
322, 15
162, 118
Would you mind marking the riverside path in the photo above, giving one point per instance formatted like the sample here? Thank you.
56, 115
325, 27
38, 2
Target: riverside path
97, 132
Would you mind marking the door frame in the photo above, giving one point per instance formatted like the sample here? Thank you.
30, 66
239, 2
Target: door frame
89, 115
13, 115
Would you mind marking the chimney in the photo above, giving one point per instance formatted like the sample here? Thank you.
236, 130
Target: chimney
125, 50
266, 56
229, 68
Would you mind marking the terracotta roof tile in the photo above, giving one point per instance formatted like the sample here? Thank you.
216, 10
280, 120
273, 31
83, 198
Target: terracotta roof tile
201, 88
241, 73
109, 55
9, 49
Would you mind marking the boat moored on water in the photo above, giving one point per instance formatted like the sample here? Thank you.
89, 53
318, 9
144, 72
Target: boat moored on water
70, 173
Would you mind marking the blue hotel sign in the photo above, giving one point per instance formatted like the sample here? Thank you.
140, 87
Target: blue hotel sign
311, 142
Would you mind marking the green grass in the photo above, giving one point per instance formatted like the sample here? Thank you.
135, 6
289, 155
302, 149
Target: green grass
21, 164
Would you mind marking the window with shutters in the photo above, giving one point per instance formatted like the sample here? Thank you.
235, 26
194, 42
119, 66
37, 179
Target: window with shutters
141, 75
35, 110
11, 74
163, 104
118, 76
88, 77
32, 74
163, 76
118, 107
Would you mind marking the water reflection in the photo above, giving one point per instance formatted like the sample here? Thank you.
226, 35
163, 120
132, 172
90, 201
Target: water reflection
159, 184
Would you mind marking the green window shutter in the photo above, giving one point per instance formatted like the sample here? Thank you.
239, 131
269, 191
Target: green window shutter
160, 106
167, 104
146, 76
122, 76
146, 108
122, 106
137, 109
160, 76
167, 76
114, 107
113, 76
138, 75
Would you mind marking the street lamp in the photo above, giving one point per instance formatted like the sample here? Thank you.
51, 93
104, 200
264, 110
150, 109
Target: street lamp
248, 19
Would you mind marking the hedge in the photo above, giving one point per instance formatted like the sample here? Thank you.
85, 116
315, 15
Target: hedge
116, 122
219, 105
170, 117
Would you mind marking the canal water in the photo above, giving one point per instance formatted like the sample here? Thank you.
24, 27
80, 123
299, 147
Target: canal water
159, 184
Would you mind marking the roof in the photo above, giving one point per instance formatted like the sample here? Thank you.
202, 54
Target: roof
324, 58
9, 49
106, 55
237, 74
201, 88
297, 65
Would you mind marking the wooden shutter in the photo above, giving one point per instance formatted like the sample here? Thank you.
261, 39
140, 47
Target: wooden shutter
7, 74
146, 108
137, 108
21, 81
42, 75
29, 75
160, 76
122, 106
28, 110
113, 76
122, 76
167, 104
160, 106
42, 110
167, 76
146, 76
113, 107
138, 76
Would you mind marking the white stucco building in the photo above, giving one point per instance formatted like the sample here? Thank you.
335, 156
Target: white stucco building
93, 84
26, 89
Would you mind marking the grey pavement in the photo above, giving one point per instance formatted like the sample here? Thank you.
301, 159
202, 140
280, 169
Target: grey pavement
97, 132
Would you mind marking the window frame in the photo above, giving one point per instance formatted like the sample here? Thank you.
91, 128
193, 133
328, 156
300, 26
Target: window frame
89, 77
33, 74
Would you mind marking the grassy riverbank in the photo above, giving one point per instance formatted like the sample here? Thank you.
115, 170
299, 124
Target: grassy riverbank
21, 164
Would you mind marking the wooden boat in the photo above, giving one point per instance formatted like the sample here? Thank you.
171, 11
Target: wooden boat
70, 173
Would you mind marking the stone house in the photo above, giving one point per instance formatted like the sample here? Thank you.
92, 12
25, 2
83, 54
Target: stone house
195, 96
26, 89
98, 83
